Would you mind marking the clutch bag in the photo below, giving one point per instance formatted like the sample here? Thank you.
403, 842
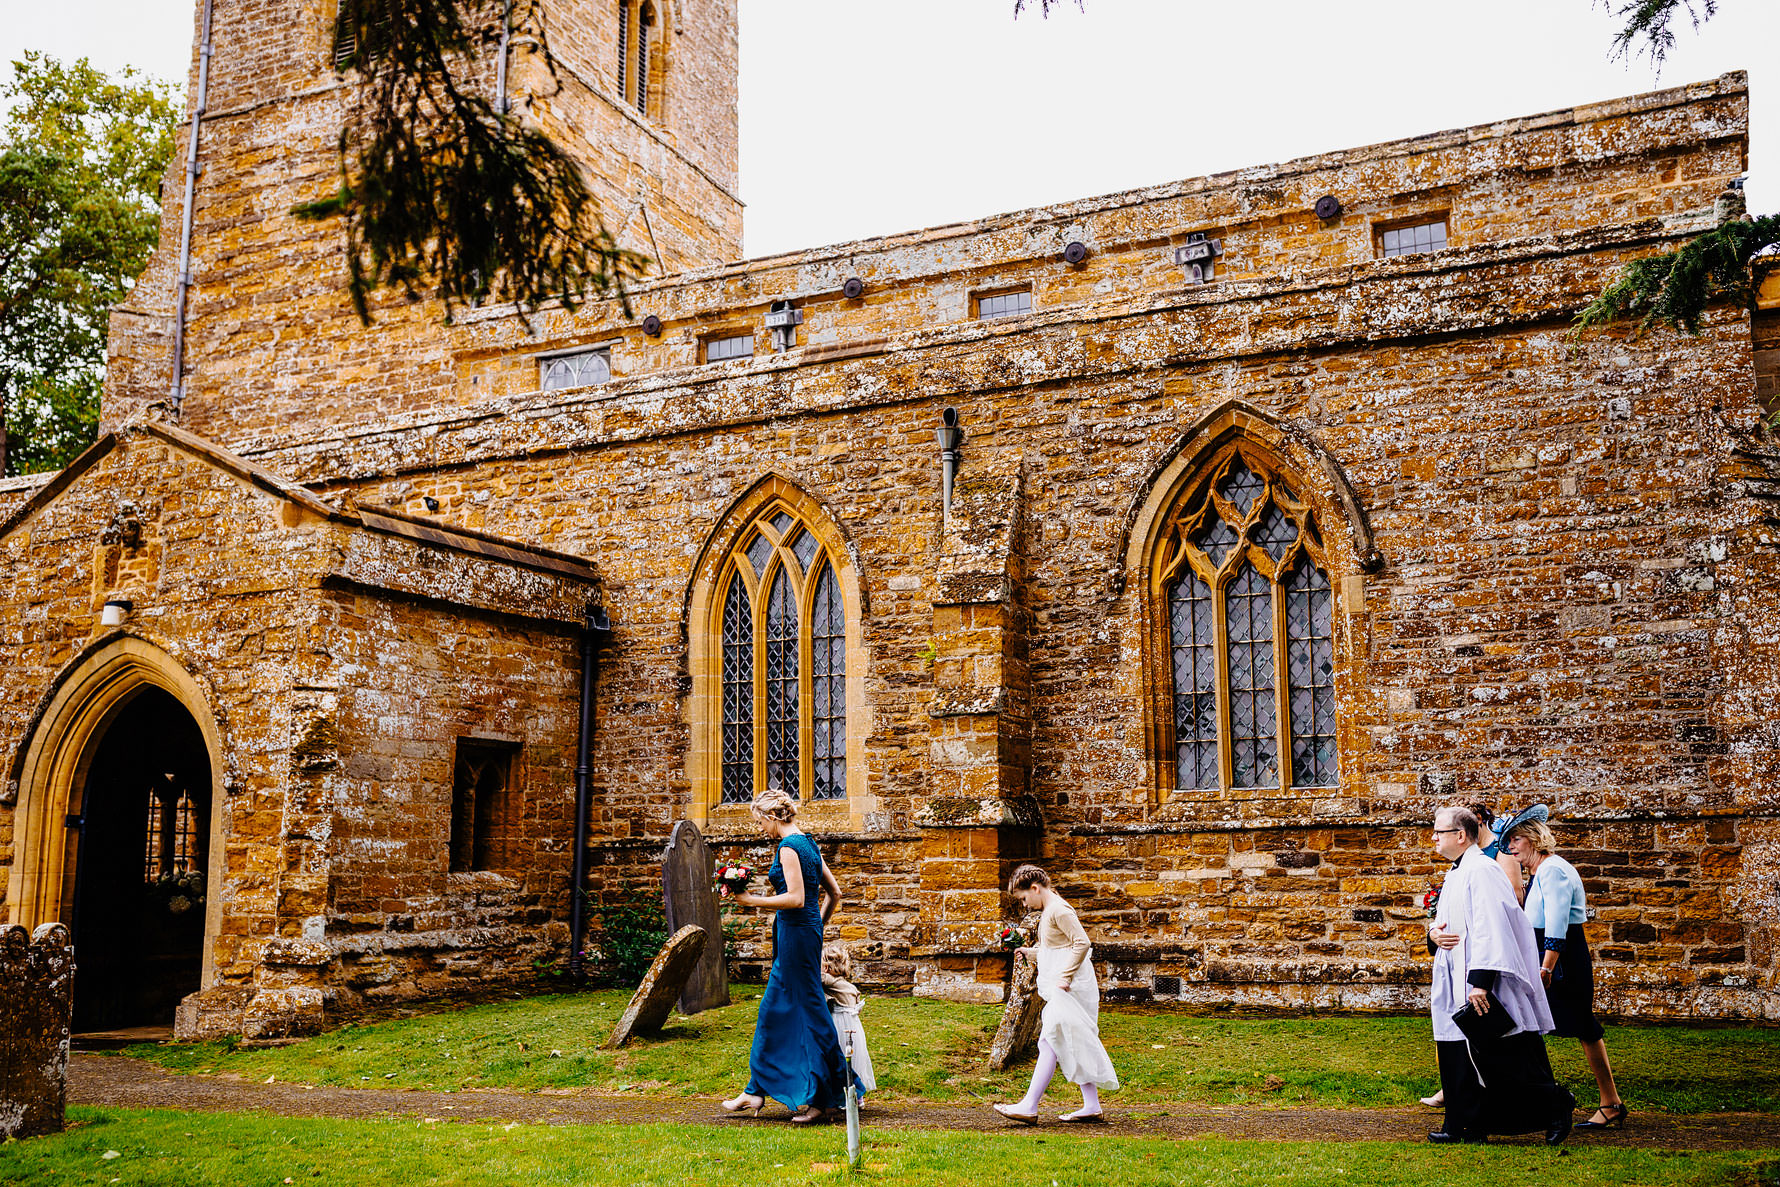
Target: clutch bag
1478, 1027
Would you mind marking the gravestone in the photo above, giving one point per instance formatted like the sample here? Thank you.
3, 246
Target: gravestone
691, 895
653, 1001
36, 1008
1017, 1035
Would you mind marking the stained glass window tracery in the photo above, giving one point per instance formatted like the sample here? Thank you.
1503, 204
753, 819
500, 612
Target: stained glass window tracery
1241, 572
784, 664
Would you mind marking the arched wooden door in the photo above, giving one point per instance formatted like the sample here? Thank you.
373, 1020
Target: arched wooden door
140, 889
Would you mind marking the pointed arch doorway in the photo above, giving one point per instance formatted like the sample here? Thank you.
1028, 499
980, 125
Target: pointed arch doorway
119, 804
140, 886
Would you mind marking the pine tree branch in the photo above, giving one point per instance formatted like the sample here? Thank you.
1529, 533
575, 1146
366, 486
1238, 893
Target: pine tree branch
442, 193
1676, 287
1646, 27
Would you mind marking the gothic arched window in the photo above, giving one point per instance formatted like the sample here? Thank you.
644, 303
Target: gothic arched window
782, 632
1243, 582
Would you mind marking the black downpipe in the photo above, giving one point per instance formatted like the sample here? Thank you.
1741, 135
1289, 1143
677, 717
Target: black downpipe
595, 628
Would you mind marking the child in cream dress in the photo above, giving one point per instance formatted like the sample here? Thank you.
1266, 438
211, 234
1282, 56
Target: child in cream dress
1069, 1028
844, 1000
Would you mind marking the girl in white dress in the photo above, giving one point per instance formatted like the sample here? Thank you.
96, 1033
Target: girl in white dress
844, 1000
1069, 1028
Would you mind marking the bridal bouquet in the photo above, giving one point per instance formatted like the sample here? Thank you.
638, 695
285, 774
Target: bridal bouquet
1431, 900
1010, 937
733, 878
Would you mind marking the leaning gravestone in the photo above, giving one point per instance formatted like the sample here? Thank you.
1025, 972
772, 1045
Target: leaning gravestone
36, 1008
1018, 1033
686, 884
653, 1001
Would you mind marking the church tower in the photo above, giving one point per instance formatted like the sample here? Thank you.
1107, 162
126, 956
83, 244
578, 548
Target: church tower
643, 93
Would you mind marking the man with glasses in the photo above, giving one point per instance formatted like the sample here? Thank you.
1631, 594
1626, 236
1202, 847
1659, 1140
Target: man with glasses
1485, 959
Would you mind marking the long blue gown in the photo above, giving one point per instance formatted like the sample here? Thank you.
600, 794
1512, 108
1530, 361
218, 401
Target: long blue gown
796, 1058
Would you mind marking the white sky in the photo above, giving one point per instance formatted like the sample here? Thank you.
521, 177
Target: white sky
862, 117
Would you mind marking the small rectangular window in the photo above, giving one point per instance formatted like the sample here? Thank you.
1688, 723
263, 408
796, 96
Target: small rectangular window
582, 369
484, 805
1417, 237
729, 346
1007, 303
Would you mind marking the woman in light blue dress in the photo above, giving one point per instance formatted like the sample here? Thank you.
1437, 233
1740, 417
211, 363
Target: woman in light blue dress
1557, 907
796, 1058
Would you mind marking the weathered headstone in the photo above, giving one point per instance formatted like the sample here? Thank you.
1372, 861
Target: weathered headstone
36, 1009
1017, 1035
691, 896
653, 1001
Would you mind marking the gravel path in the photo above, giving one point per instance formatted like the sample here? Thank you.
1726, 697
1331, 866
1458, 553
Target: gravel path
134, 1083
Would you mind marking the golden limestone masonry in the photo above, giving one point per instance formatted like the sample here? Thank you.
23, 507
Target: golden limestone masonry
1198, 541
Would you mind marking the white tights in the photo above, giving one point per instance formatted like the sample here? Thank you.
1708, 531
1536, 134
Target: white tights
1041, 1080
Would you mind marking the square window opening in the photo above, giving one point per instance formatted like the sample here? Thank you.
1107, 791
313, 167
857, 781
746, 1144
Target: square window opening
1425, 233
1003, 303
485, 804
720, 348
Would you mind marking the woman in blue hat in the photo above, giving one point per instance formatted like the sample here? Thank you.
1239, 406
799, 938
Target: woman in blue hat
1557, 906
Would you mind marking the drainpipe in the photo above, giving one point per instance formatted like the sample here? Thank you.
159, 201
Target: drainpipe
191, 192
950, 438
596, 627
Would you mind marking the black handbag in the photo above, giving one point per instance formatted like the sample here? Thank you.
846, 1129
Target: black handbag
1479, 1027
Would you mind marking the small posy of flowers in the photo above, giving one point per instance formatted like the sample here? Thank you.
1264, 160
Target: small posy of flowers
181, 889
1431, 900
733, 878
1010, 937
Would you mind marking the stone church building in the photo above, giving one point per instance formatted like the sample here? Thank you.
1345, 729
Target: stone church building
1198, 541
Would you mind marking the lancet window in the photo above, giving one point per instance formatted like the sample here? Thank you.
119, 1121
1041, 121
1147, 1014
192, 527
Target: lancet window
783, 630
1243, 580
636, 31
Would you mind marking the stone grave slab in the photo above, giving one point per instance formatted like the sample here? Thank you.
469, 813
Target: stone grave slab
653, 1001
691, 900
1017, 1036
36, 1010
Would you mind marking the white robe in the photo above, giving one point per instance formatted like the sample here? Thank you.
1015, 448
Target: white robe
1477, 903
848, 1031
1070, 1022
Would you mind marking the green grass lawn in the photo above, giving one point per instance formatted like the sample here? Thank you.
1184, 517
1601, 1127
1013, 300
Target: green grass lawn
173, 1149
935, 1050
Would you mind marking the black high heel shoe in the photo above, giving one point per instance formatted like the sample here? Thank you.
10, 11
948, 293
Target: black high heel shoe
1612, 1117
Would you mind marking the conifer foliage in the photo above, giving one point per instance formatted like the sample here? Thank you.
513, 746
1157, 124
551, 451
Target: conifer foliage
1675, 288
443, 194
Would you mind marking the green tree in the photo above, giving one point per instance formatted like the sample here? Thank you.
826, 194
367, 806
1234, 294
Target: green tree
81, 156
1675, 287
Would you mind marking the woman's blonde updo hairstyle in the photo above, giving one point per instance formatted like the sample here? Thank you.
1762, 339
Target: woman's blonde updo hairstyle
774, 804
1538, 835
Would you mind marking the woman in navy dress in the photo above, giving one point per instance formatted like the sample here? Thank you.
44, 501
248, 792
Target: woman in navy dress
796, 1058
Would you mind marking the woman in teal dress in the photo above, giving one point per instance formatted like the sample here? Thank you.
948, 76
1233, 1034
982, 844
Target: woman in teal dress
796, 1058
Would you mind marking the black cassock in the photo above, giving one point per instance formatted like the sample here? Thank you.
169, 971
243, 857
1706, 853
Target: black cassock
1500, 1086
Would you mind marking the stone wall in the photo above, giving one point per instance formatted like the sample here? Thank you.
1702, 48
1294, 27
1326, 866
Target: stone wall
1551, 554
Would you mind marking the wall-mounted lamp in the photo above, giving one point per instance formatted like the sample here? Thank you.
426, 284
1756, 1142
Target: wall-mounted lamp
951, 439
116, 610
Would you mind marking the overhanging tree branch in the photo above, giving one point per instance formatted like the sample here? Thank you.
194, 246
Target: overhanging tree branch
442, 193
1646, 29
1676, 287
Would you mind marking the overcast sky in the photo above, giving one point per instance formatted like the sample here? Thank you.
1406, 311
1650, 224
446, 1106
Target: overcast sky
862, 117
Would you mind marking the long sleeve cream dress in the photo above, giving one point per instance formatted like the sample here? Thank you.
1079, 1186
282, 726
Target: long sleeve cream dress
1070, 1022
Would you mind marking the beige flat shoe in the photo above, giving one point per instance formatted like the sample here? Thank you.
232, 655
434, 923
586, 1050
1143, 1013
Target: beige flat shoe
1008, 1112
1081, 1118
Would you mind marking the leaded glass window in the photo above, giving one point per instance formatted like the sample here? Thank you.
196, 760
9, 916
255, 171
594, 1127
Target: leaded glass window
1242, 574
828, 684
784, 668
738, 694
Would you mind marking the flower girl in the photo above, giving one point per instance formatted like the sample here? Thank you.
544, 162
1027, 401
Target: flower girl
844, 1000
1069, 1028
